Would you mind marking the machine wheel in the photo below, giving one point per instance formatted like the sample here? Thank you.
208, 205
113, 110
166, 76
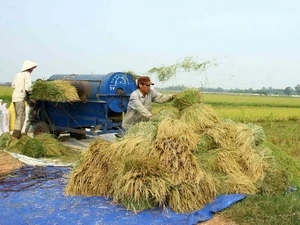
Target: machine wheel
40, 128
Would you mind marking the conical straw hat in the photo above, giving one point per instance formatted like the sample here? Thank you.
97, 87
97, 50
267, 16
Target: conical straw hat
28, 65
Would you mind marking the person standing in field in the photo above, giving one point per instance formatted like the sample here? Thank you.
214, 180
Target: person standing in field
21, 85
140, 101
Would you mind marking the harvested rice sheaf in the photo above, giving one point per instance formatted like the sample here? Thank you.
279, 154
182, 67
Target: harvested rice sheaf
146, 129
55, 91
199, 117
187, 98
52, 147
5, 140
33, 148
91, 176
190, 196
141, 183
164, 114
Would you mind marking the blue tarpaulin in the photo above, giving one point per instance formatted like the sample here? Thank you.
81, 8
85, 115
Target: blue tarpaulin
35, 195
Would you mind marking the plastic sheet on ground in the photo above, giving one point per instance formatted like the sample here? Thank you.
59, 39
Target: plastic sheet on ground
35, 195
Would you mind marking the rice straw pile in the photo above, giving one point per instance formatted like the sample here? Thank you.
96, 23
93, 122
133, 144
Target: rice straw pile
54, 91
179, 160
43, 145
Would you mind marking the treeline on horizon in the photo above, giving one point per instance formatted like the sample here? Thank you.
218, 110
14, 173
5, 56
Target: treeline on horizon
263, 91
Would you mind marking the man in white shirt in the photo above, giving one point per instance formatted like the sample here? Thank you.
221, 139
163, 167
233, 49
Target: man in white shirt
140, 101
21, 85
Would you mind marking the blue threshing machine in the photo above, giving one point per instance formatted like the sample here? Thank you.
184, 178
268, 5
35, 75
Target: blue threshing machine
104, 100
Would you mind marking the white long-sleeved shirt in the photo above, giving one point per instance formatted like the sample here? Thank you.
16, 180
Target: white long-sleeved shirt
139, 106
21, 83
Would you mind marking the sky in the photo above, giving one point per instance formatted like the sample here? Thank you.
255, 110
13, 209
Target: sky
253, 44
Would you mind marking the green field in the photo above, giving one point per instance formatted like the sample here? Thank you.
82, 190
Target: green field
5, 94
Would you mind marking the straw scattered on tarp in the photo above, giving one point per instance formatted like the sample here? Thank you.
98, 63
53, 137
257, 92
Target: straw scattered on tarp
43, 145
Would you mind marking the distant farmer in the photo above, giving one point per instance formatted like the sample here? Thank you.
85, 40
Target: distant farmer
21, 84
140, 101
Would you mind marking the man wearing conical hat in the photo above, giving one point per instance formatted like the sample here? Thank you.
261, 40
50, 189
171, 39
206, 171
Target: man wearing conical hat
21, 85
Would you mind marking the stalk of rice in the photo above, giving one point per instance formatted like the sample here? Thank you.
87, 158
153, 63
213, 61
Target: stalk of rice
239, 183
5, 140
187, 98
92, 176
17, 145
174, 146
206, 142
52, 147
139, 146
253, 164
177, 129
33, 148
190, 196
55, 91
244, 136
276, 181
258, 132
199, 117
222, 134
141, 183
145, 129
164, 114
226, 162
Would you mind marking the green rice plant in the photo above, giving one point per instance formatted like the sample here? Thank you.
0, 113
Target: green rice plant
230, 100
6, 94
5, 139
248, 114
33, 148
284, 134
52, 146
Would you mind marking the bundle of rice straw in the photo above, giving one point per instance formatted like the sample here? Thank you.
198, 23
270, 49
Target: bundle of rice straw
5, 140
199, 117
141, 183
54, 91
163, 114
174, 146
187, 98
190, 196
146, 129
43, 145
91, 177
52, 147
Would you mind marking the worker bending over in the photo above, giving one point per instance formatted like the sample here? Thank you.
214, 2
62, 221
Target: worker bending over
140, 101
